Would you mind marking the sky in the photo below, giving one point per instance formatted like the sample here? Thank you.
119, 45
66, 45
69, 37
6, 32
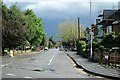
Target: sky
54, 12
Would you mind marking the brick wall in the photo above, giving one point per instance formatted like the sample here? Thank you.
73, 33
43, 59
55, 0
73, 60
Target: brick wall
116, 29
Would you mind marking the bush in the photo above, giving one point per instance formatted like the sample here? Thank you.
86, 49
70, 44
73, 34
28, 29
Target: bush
81, 47
117, 41
95, 45
108, 40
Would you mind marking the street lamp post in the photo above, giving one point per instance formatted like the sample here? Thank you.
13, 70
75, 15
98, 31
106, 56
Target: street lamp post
91, 33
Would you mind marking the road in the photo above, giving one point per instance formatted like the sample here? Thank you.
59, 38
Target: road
48, 64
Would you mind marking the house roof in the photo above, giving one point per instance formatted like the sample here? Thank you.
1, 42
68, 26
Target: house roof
115, 15
108, 13
106, 22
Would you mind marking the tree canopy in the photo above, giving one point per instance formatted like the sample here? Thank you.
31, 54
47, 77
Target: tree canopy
69, 31
19, 27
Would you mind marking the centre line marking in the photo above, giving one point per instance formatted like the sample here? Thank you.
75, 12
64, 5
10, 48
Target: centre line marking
51, 60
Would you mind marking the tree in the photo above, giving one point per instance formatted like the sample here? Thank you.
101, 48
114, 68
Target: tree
69, 31
13, 26
19, 27
35, 28
30, 25
51, 42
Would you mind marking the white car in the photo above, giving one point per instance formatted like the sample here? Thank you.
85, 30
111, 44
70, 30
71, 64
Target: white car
46, 49
61, 48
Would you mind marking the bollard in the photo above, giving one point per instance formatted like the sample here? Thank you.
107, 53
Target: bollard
11, 53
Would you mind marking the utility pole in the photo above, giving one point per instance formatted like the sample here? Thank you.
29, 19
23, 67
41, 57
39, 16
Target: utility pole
78, 29
91, 37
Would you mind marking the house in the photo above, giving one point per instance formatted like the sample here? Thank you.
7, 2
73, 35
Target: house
108, 22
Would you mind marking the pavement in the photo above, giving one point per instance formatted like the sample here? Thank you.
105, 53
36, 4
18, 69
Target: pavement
93, 67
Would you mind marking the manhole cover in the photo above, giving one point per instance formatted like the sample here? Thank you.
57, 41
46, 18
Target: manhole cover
38, 70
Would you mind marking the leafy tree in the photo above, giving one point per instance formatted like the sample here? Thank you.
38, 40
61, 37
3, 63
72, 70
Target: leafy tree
35, 28
51, 42
21, 28
13, 26
30, 25
57, 43
51, 39
69, 31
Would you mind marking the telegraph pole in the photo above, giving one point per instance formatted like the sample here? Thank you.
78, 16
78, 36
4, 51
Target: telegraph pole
78, 29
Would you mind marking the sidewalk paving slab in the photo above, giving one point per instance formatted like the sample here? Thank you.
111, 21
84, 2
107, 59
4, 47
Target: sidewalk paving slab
93, 67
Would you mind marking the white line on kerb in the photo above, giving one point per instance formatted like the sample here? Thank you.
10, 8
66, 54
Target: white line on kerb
51, 60
7, 64
27, 77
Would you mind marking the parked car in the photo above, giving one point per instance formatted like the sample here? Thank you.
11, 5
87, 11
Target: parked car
46, 49
61, 48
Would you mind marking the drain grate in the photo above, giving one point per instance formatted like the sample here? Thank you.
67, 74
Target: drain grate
32, 59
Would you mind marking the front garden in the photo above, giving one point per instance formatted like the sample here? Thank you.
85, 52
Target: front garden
106, 52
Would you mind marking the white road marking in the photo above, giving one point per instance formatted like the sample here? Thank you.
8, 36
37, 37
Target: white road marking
7, 64
11, 74
27, 77
51, 60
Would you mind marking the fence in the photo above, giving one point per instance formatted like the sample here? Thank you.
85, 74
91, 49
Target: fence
113, 57
110, 57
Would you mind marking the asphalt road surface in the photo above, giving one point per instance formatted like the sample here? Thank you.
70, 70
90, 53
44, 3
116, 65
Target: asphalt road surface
49, 64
